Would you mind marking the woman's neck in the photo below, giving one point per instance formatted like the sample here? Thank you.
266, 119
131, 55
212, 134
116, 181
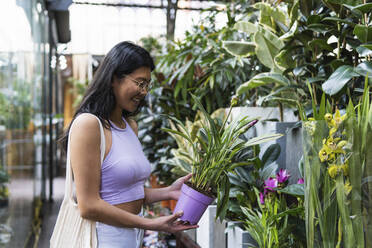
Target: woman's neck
117, 119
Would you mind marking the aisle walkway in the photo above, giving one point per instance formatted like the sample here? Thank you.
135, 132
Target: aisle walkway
50, 212
15, 220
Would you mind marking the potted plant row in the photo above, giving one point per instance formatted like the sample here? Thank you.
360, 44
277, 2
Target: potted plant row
213, 145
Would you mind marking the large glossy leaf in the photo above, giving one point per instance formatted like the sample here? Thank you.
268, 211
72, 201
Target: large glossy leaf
290, 33
246, 27
271, 154
363, 51
245, 175
263, 79
268, 171
364, 69
362, 8
268, 46
235, 179
320, 44
268, 14
363, 33
338, 79
239, 48
347, 2
284, 60
293, 12
294, 189
336, 19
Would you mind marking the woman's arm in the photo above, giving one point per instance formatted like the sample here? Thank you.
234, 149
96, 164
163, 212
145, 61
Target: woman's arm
171, 192
85, 162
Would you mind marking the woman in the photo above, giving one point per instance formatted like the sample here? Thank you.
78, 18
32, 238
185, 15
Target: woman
112, 193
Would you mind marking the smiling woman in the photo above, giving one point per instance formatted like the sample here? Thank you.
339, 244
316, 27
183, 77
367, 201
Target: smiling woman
112, 192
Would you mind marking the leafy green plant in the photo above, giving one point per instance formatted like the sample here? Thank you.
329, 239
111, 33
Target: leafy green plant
213, 147
324, 43
244, 180
337, 172
270, 225
17, 110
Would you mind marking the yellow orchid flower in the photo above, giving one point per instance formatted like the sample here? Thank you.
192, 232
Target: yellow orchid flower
348, 187
330, 142
333, 170
345, 168
332, 131
338, 118
326, 154
323, 155
341, 144
331, 146
329, 119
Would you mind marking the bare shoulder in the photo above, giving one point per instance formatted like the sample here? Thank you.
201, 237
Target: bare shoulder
133, 124
85, 124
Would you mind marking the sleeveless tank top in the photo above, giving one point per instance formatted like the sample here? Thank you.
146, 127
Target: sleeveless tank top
125, 168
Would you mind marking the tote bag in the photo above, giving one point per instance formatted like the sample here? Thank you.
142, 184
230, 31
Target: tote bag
71, 230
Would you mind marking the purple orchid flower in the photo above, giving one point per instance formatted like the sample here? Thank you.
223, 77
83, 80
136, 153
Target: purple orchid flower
271, 184
282, 176
262, 198
300, 181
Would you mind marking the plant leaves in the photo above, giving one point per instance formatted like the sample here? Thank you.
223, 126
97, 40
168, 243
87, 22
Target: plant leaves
364, 51
271, 154
290, 33
364, 69
263, 79
363, 33
268, 46
284, 60
268, 171
239, 48
361, 8
336, 19
338, 79
262, 139
294, 189
246, 27
320, 44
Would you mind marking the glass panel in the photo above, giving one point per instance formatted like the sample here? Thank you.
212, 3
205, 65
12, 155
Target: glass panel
23, 74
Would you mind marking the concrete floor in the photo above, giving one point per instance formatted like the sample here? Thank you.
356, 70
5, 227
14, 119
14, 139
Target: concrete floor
50, 212
16, 219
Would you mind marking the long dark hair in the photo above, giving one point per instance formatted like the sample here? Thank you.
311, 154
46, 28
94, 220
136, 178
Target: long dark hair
124, 58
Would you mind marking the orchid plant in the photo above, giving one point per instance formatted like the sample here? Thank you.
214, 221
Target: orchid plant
270, 224
337, 170
211, 145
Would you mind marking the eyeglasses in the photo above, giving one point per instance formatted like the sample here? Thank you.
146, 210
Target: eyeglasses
142, 84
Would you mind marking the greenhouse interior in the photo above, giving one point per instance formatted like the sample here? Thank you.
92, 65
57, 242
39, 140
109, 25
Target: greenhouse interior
252, 120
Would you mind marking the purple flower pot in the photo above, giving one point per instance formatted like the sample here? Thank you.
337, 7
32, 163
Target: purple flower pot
192, 203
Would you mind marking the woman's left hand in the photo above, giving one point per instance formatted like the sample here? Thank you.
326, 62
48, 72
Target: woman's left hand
174, 190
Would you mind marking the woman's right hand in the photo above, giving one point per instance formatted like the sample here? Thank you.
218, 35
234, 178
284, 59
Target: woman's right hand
171, 224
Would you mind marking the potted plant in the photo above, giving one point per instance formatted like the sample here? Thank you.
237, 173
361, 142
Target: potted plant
213, 145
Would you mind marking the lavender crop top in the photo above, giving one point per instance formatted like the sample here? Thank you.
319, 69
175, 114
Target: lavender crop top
125, 168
